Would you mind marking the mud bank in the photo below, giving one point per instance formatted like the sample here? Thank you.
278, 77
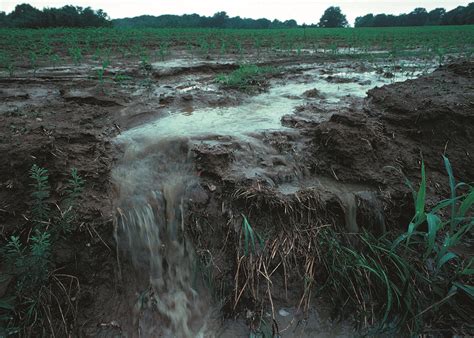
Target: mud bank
325, 157
343, 171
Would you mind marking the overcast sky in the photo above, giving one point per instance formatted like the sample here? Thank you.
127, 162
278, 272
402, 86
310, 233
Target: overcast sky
303, 11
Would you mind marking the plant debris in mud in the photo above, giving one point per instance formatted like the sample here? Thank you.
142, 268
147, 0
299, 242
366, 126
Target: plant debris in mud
418, 282
249, 78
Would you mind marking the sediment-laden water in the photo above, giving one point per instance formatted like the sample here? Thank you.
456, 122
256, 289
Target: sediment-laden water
153, 180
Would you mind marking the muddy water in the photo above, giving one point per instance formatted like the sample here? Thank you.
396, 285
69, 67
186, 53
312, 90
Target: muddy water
154, 179
262, 112
345, 192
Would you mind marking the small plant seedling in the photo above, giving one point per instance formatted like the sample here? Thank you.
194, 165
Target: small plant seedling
29, 262
54, 60
101, 72
33, 62
121, 78
76, 55
163, 51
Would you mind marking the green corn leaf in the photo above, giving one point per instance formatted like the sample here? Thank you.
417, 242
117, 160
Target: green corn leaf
421, 196
445, 203
466, 204
249, 236
468, 289
399, 239
246, 237
458, 235
434, 224
445, 258
452, 186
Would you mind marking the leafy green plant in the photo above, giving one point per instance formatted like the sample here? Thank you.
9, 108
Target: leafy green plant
440, 54
454, 227
404, 283
28, 261
54, 59
6, 62
190, 48
33, 62
76, 55
246, 77
121, 78
204, 47
74, 191
145, 62
101, 72
251, 238
41, 209
223, 48
163, 50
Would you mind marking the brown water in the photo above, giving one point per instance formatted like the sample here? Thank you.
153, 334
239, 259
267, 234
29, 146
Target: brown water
153, 182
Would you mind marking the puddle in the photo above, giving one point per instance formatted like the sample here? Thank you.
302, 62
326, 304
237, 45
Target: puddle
292, 324
260, 113
263, 112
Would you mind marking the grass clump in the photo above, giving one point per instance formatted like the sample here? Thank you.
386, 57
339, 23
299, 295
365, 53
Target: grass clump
247, 78
418, 281
413, 282
37, 293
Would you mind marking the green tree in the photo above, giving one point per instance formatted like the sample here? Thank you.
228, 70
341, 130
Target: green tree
418, 17
25, 16
436, 16
219, 19
333, 18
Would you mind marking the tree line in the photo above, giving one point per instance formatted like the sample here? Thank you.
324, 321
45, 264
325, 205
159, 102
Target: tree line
26, 16
462, 15
218, 20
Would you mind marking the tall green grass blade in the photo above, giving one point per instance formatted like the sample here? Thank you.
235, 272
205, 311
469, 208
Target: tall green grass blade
246, 236
469, 269
466, 204
249, 237
468, 272
420, 216
434, 224
421, 196
445, 203
446, 258
399, 239
468, 289
452, 186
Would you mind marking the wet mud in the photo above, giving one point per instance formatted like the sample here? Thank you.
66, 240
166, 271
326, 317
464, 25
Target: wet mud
324, 144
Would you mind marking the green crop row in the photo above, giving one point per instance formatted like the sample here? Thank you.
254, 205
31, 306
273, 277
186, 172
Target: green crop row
29, 45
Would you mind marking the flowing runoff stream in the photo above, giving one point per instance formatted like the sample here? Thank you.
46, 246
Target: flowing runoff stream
152, 181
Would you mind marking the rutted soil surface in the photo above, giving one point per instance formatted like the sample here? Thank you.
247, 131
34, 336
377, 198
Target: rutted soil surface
330, 161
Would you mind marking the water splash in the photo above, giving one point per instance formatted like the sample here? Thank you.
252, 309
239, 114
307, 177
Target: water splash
152, 184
